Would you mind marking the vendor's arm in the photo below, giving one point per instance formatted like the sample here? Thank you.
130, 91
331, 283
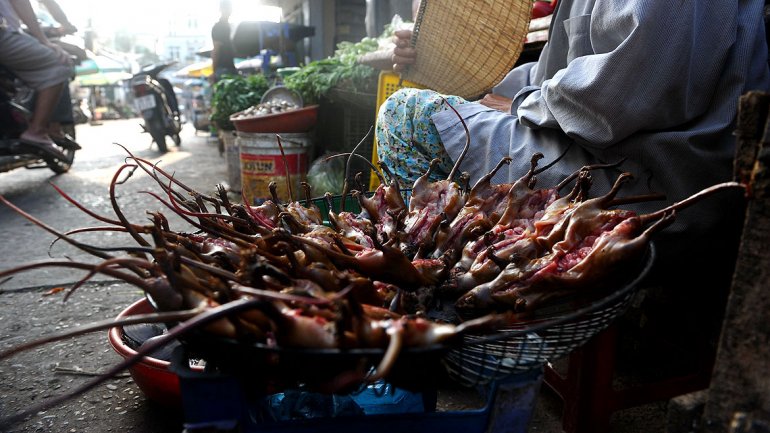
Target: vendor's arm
380, 59
517, 79
217, 48
403, 54
634, 66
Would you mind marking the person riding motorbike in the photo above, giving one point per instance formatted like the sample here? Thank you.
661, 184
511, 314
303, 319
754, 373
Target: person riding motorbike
42, 65
56, 25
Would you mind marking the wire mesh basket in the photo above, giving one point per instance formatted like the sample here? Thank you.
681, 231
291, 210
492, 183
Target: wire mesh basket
547, 334
554, 334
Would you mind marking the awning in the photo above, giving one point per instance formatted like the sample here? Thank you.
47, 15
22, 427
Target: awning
200, 69
98, 63
102, 79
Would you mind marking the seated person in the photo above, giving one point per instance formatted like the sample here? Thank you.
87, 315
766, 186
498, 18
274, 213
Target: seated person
609, 86
640, 82
43, 66
53, 15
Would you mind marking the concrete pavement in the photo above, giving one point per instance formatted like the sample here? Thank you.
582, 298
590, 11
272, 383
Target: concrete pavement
197, 161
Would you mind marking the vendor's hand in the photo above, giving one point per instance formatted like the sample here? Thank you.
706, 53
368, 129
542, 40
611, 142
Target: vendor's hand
403, 54
497, 102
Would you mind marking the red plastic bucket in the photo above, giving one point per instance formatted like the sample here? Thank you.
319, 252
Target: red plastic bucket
151, 375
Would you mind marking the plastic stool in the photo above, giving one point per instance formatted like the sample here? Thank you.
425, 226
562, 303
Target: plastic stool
587, 391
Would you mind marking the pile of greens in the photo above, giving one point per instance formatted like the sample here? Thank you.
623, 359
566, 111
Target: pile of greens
234, 93
341, 70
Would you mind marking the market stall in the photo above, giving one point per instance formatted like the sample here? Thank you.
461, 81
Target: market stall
101, 81
287, 308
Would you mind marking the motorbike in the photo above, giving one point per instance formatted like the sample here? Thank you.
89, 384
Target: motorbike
14, 116
81, 113
154, 97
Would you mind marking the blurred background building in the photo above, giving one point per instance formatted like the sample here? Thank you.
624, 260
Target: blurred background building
179, 29
130, 34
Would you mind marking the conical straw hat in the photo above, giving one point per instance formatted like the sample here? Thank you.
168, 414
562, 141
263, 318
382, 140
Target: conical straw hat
464, 47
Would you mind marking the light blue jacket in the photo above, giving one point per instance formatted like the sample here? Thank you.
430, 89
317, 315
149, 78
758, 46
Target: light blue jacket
653, 81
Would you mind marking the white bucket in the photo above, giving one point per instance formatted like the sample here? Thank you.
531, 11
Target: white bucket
232, 159
262, 163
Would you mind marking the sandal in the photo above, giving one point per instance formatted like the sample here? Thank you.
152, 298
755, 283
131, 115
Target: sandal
45, 149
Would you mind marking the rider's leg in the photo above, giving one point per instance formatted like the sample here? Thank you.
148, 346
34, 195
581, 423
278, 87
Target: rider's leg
41, 69
45, 102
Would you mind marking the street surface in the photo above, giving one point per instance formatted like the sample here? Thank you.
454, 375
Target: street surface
197, 162
27, 313
31, 305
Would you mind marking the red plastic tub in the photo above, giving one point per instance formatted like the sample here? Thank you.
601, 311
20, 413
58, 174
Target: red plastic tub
151, 375
299, 120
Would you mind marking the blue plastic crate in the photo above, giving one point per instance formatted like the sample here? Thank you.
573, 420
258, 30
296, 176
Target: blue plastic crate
219, 402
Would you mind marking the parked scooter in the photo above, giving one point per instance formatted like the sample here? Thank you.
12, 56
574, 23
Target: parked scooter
81, 113
15, 153
154, 97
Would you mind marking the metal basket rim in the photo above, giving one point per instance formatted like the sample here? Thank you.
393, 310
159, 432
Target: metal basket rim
541, 325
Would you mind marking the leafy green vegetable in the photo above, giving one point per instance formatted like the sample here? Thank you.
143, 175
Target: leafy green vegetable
234, 93
341, 70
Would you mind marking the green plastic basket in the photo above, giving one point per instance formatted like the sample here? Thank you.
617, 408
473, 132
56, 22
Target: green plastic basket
351, 203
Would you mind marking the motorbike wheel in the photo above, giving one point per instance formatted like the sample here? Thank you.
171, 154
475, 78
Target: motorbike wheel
59, 166
158, 133
177, 140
